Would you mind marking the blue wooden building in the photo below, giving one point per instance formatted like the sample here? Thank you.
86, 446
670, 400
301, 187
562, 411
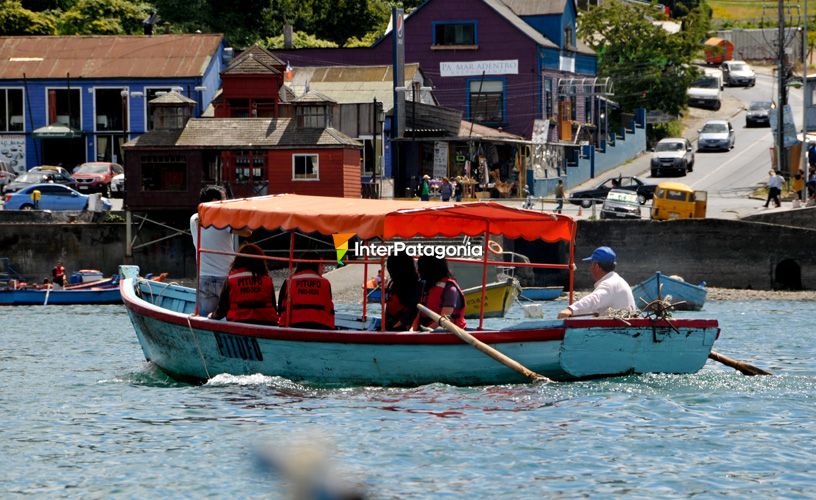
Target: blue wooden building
68, 100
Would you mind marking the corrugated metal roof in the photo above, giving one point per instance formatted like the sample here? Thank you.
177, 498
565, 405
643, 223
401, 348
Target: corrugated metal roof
254, 60
172, 98
246, 132
313, 96
159, 56
535, 7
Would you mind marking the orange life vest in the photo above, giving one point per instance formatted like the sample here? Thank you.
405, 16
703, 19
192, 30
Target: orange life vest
252, 298
308, 300
432, 299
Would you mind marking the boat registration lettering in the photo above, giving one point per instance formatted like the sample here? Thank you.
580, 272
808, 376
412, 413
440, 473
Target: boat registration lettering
234, 346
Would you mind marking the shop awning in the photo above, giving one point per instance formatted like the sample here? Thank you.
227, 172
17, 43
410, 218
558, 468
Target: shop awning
56, 131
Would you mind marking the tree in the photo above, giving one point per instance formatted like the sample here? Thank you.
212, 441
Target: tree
650, 68
104, 17
300, 40
17, 20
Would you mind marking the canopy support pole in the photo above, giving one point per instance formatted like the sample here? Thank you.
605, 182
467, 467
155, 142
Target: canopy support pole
365, 290
288, 280
572, 262
485, 251
382, 295
198, 266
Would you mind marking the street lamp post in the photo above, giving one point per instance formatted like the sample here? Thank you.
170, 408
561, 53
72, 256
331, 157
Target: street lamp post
125, 125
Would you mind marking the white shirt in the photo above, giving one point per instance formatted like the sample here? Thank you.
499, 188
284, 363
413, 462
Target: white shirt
213, 264
611, 291
776, 181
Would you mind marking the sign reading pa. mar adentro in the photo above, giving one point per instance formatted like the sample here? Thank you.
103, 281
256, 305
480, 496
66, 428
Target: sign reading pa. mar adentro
476, 68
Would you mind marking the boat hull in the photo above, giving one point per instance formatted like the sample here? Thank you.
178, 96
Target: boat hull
684, 296
60, 297
194, 348
541, 292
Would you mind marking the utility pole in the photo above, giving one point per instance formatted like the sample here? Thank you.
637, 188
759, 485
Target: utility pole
783, 93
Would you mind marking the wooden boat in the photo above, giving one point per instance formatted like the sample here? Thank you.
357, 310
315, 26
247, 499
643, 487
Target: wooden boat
499, 297
684, 296
42, 297
541, 292
359, 352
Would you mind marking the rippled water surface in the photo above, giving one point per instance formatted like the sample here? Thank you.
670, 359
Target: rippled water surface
84, 416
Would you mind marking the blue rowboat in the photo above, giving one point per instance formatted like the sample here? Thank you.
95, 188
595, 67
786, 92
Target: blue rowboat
684, 296
541, 292
194, 348
60, 297
358, 352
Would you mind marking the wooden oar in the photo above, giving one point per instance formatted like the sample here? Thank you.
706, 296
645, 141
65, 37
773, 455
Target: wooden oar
740, 366
493, 353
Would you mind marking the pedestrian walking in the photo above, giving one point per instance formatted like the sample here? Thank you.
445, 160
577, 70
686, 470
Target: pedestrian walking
445, 190
425, 188
775, 183
559, 196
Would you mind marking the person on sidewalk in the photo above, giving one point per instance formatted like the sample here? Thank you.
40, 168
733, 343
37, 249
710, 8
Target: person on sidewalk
611, 291
775, 183
798, 184
425, 188
560, 193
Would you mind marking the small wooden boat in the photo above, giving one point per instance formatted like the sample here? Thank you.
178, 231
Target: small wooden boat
684, 296
541, 292
359, 352
499, 297
28, 296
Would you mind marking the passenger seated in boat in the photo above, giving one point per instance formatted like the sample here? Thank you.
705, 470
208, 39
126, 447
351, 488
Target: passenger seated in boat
440, 293
611, 291
402, 293
248, 295
310, 304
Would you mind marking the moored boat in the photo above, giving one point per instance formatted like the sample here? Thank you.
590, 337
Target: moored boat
31, 296
359, 352
682, 295
541, 292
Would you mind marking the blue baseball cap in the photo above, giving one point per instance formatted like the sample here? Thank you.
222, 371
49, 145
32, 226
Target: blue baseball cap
602, 254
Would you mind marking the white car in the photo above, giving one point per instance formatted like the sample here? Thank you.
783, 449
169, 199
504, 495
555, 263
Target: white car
672, 155
706, 92
117, 186
716, 134
738, 73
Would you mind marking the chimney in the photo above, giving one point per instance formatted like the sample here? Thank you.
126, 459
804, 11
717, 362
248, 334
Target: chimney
287, 37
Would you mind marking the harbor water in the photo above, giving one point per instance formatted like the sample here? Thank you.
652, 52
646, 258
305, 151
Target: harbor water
83, 415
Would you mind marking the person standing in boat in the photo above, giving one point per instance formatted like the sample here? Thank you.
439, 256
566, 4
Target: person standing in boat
305, 299
58, 274
440, 293
213, 267
402, 293
248, 295
611, 291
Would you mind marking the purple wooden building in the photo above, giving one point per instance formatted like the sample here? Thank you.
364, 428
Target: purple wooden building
504, 63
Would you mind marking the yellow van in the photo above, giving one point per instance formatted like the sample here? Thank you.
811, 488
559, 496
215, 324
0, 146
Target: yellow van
673, 200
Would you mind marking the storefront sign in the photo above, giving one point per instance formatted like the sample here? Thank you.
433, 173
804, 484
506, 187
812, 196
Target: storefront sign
13, 152
440, 168
476, 68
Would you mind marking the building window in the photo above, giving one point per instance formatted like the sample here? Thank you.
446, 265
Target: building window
110, 109
486, 101
548, 97
568, 38
164, 173
311, 116
11, 110
305, 168
587, 109
250, 166
454, 33
151, 94
64, 107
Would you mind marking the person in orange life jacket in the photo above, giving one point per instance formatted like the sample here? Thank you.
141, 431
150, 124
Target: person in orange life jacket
440, 293
58, 274
309, 303
248, 295
402, 293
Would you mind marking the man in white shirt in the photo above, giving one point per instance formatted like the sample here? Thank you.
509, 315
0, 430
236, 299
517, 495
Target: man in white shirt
611, 291
214, 267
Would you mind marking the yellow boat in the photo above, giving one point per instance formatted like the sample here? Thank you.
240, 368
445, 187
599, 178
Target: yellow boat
499, 296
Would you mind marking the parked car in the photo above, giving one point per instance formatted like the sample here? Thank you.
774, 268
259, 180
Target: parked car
672, 155
117, 186
706, 92
758, 113
37, 175
7, 174
717, 135
52, 197
96, 176
587, 197
621, 204
738, 73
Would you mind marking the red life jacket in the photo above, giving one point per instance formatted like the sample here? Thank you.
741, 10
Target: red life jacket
251, 298
432, 299
308, 300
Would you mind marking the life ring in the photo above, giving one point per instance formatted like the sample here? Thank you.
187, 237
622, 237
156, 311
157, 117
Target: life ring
494, 247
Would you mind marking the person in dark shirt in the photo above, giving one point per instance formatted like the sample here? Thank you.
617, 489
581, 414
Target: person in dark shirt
402, 293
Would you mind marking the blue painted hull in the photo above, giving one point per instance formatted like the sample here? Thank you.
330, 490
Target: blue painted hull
541, 292
60, 297
684, 296
194, 348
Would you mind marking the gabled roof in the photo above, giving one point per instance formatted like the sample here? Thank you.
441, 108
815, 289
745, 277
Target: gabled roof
315, 97
245, 132
159, 56
536, 7
254, 60
172, 98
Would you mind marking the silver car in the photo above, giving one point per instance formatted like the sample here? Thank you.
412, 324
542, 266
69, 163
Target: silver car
718, 135
738, 73
674, 155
